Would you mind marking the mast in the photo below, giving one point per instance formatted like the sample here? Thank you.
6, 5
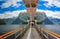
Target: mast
31, 7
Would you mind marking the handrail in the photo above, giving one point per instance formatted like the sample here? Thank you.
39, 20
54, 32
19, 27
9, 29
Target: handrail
51, 32
48, 31
13, 31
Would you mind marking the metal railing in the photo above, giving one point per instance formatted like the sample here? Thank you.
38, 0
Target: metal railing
47, 34
15, 34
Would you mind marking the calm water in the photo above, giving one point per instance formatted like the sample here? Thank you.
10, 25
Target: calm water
54, 28
7, 28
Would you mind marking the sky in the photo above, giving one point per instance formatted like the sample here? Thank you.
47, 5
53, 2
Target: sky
11, 8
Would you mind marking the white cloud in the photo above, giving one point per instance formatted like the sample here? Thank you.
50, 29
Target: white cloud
54, 14
52, 3
9, 14
11, 3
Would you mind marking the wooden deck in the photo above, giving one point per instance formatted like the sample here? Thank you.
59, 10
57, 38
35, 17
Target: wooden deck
31, 34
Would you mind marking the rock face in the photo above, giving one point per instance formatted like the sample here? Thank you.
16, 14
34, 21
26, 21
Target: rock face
17, 21
47, 21
39, 15
20, 19
9, 20
24, 16
44, 19
2, 22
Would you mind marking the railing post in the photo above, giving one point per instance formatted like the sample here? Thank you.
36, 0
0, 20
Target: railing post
47, 36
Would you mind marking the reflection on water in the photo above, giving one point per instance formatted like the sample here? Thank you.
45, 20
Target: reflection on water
54, 28
7, 28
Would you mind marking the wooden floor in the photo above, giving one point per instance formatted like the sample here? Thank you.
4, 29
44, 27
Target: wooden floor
31, 34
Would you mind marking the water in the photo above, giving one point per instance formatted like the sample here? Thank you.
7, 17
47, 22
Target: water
7, 28
54, 28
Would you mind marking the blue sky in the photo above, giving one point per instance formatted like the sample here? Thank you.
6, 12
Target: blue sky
12, 7
18, 5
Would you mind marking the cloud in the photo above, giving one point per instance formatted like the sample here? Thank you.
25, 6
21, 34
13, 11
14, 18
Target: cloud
52, 3
54, 14
11, 3
9, 14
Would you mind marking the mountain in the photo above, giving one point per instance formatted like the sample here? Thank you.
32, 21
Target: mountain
9, 20
47, 21
42, 16
17, 21
23, 16
56, 20
2, 22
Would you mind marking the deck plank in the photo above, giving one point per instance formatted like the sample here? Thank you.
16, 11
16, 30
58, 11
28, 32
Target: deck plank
33, 35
